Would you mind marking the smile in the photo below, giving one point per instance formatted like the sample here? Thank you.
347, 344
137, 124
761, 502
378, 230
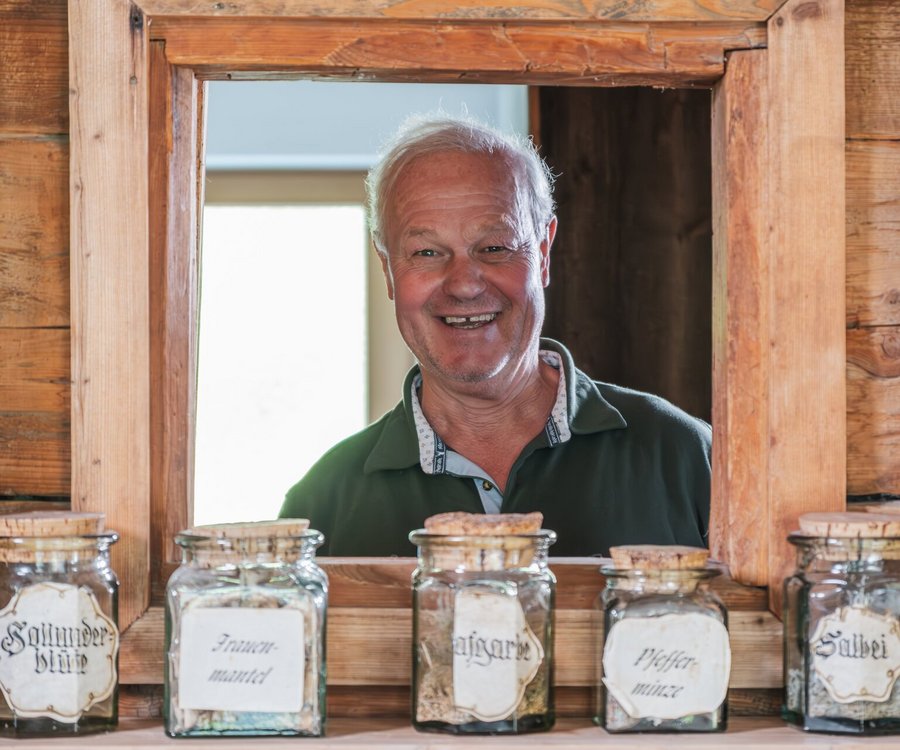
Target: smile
471, 321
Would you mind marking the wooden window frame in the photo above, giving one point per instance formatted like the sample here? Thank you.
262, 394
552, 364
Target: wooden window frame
136, 73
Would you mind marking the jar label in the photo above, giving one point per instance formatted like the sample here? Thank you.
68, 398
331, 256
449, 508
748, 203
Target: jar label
57, 652
667, 667
856, 654
241, 659
495, 653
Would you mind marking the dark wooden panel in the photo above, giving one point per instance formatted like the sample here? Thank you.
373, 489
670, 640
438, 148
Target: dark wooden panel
631, 267
34, 86
34, 453
873, 410
872, 50
34, 232
873, 233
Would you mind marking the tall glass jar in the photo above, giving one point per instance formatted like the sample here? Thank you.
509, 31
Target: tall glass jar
59, 640
245, 632
666, 654
483, 632
842, 624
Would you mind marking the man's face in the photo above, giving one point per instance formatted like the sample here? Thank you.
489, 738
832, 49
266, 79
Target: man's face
466, 271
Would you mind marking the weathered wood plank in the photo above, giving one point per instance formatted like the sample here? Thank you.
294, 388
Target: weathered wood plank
353, 661
807, 358
873, 410
572, 10
607, 54
174, 303
34, 453
34, 60
873, 233
740, 512
34, 232
109, 272
34, 370
873, 68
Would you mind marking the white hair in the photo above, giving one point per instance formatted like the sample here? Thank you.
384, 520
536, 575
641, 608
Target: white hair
421, 135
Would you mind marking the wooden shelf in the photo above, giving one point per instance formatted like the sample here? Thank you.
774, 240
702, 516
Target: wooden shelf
367, 734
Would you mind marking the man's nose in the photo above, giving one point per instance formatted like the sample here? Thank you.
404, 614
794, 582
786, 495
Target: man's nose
464, 277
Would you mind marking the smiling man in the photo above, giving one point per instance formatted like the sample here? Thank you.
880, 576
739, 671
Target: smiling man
494, 418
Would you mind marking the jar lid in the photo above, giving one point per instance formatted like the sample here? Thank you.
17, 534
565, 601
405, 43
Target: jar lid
658, 557
49, 523
850, 525
484, 524
281, 527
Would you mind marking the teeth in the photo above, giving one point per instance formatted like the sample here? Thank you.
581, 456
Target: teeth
470, 320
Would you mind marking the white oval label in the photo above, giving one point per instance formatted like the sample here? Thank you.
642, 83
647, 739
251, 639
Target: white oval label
495, 653
57, 652
856, 654
667, 667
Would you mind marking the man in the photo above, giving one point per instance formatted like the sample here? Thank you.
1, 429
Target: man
493, 418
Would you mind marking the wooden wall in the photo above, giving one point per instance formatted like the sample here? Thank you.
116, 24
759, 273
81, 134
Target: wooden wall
34, 297
873, 246
631, 268
34, 249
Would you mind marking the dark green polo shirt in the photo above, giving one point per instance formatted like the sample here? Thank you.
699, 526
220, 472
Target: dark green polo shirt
636, 470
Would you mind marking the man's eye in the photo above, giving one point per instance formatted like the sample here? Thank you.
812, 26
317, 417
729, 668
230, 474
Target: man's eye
495, 249
426, 253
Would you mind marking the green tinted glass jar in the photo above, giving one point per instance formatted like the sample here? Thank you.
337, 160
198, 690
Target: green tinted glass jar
666, 656
59, 640
483, 633
842, 625
245, 632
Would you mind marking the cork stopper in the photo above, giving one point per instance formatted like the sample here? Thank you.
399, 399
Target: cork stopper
50, 523
282, 527
658, 557
851, 525
484, 524
505, 544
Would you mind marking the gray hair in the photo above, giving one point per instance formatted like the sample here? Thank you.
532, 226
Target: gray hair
421, 135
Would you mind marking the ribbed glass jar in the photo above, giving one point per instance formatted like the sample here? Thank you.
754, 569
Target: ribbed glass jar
842, 630
483, 611
666, 656
59, 639
245, 632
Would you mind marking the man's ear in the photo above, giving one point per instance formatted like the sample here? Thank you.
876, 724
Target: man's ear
386, 268
546, 244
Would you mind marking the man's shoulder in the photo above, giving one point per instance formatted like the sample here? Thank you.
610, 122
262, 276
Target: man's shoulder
648, 412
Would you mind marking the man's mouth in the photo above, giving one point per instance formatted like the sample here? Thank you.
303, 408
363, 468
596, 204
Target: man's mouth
469, 321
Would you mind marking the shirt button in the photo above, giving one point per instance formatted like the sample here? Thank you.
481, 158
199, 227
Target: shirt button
487, 485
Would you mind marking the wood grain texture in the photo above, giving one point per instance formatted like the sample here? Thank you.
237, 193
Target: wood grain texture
34, 61
536, 10
511, 52
174, 303
739, 516
109, 272
630, 267
34, 412
873, 413
34, 232
873, 233
807, 357
353, 661
873, 68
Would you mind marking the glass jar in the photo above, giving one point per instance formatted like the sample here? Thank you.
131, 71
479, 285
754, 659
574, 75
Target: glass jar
59, 640
245, 632
666, 654
483, 633
842, 624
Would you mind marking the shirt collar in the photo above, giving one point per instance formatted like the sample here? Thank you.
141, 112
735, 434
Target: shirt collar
579, 409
